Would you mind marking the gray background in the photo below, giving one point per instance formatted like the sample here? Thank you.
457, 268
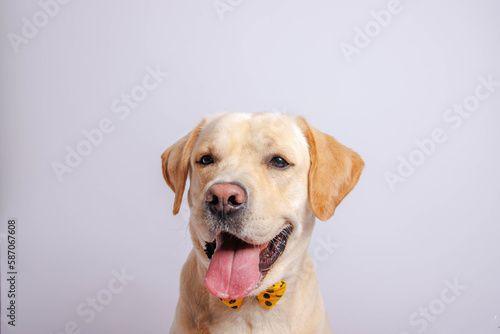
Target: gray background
388, 254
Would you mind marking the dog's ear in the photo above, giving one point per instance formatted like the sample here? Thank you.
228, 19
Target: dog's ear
175, 164
334, 171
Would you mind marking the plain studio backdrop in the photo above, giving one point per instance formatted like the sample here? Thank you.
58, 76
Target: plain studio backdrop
92, 92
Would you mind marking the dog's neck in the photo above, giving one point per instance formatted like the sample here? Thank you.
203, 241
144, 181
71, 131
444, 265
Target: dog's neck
207, 311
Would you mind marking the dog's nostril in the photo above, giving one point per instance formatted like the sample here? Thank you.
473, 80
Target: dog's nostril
211, 198
215, 200
233, 201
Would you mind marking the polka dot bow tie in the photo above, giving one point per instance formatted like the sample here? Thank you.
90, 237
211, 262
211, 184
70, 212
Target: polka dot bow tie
268, 298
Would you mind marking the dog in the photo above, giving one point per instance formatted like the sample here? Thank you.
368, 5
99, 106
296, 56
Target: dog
257, 183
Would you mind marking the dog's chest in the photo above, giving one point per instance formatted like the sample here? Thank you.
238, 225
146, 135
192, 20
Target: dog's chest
250, 318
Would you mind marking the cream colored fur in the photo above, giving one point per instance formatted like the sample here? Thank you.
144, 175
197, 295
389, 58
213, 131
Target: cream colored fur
323, 172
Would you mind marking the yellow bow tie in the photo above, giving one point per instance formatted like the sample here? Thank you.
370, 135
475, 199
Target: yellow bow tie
268, 298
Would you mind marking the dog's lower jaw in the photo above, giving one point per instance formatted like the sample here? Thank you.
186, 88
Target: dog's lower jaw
199, 311
238, 267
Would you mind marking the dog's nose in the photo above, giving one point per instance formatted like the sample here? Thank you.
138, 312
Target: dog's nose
225, 199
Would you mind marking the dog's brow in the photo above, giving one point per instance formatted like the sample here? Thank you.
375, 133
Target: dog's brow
205, 149
269, 141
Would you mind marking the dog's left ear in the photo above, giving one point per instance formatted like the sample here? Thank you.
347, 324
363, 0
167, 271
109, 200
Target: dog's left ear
175, 164
334, 171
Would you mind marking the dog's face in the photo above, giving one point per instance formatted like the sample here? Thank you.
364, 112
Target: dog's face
256, 182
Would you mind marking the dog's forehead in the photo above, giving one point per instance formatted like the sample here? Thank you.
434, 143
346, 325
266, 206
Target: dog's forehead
257, 131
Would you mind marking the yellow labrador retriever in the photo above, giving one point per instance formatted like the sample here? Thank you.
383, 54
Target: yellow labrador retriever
257, 181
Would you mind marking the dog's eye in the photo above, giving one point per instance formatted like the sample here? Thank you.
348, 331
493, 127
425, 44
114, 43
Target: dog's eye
206, 160
279, 162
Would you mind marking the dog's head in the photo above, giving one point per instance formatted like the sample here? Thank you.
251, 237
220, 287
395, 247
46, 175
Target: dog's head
256, 183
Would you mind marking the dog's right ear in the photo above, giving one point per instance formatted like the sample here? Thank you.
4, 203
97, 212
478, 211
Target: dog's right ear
175, 164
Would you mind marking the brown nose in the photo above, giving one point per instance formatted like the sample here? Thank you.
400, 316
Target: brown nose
225, 199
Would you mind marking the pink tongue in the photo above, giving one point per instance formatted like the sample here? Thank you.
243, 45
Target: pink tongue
234, 269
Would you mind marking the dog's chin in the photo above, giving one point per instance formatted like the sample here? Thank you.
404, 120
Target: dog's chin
268, 254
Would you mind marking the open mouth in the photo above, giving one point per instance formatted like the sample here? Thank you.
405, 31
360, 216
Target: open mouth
236, 266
